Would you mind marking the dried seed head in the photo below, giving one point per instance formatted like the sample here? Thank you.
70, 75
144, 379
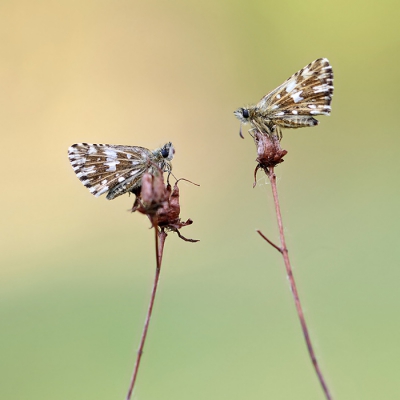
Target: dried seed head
152, 194
269, 151
160, 203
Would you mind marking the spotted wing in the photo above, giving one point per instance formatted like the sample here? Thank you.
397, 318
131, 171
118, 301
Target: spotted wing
306, 93
109, 168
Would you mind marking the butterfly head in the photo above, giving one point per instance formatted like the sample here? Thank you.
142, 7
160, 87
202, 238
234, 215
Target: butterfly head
168, 151
242, 114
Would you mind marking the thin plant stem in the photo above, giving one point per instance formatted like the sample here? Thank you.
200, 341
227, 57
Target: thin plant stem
284, 251
160, 236
269, 241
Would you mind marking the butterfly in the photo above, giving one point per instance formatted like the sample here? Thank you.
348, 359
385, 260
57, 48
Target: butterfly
117, 169
294, 103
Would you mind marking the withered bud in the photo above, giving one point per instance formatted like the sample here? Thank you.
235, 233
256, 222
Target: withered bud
269, 151
153, 193
171, 208
160, 203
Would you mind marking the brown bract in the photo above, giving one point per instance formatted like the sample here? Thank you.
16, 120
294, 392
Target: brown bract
269, 152
160, 203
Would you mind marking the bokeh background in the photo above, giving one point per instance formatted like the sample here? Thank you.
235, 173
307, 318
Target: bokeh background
76, 271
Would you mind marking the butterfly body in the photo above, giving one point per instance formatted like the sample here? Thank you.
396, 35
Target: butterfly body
117, 169
295, 102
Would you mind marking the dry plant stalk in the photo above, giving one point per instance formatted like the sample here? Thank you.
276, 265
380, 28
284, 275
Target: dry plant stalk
160, 203
270, 154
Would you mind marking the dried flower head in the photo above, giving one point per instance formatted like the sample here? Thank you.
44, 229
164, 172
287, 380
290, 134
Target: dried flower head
269, 152
160, 203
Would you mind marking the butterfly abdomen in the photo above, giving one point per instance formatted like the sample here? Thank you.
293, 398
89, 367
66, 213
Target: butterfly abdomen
300, 121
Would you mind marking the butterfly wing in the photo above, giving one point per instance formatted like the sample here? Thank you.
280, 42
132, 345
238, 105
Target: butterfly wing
306, 93
109, 168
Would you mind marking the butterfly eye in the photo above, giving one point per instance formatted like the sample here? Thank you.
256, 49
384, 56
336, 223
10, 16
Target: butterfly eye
165, 152
245, 113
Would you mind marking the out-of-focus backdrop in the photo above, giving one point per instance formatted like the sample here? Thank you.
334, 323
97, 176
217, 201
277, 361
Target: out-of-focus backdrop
76, 271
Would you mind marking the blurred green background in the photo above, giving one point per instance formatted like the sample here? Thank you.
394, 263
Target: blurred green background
76, 271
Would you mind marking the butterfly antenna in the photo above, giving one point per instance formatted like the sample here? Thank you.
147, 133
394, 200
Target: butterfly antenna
187, 180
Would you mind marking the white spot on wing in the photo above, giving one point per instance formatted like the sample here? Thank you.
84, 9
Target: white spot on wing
89, 170
305, 72
290, 86
296, 96
105, 188
80, 160
322, 88
92, 150
110, 153
112, 165
121, 179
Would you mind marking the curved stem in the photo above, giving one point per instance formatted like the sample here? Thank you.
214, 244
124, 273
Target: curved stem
283, 249
159, 243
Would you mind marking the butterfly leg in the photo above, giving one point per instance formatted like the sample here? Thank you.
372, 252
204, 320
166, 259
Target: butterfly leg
169, 174
277, 131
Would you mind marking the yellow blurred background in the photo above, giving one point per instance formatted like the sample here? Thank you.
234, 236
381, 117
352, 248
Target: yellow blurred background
76, 271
